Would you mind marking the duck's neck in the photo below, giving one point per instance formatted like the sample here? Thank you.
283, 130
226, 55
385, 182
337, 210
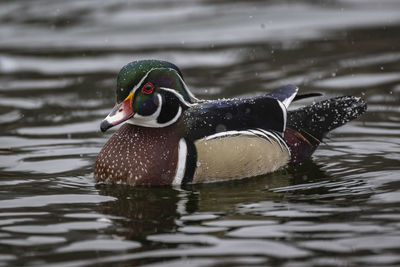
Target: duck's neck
139, 155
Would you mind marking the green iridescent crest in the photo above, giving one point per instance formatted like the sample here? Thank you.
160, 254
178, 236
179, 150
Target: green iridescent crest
164, 74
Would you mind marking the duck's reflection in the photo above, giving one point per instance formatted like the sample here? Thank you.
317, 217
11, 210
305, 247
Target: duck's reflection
144, 211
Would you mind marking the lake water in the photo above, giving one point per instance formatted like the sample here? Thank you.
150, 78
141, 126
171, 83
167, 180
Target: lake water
58, 66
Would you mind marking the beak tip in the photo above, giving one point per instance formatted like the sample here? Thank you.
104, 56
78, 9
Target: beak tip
105, 125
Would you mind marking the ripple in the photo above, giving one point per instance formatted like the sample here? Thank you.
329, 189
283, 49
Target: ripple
258, 232
288, 229
358, 80
200, 229
21, 103
35, 84
106, 63
221, 261
11, 116
184, 239
12, 142
387, 197
370, 60
13, 221
351, 245
49, 166
60, 228
379, 260
7, 257
41, 201
90, 216
17, 214
249, 247
45, 151
33, 241
72, 128
99, 245
235, 27
16, 182
238, 223
386, 216
199, 217
291, 210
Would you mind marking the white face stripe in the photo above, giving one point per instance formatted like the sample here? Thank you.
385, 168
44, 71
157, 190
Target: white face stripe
152, 122
137, 86
192, 97
181, 165
141, 81
178, 114
179, 96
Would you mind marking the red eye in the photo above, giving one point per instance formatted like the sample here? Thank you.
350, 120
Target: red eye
147, 88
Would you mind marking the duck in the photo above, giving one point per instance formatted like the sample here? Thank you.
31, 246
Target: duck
170, 137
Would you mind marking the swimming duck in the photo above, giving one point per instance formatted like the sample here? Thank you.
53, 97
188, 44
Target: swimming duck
172, 137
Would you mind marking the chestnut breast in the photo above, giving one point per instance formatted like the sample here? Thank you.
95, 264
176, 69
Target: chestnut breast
138, 155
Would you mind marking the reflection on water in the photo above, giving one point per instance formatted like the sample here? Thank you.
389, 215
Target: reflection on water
58, 64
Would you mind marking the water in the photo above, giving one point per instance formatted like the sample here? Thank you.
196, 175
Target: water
58, 65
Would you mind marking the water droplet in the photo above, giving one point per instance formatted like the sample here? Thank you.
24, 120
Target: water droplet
228, 116
220, 128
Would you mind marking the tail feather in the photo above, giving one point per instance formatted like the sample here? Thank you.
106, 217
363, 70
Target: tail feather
306, 127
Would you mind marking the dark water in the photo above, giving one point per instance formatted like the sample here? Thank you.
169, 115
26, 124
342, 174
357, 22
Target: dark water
58, 64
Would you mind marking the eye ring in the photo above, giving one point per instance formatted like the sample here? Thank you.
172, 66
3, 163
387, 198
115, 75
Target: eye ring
147, 88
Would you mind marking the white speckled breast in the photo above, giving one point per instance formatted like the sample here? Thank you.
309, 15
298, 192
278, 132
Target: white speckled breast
138, 155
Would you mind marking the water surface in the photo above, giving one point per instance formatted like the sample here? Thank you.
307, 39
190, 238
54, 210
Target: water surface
58, 65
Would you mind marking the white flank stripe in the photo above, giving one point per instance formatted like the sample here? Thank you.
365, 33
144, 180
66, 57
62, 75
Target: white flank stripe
278, 138
284, 112
270, 136
228, 133
289, 100
262, 133
181, 165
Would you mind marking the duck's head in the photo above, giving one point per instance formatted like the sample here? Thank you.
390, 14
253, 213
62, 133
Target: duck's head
150, 93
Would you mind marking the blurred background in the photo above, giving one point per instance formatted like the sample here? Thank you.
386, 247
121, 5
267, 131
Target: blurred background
58, 67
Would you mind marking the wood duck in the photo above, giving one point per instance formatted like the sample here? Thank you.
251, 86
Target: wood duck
172, 137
